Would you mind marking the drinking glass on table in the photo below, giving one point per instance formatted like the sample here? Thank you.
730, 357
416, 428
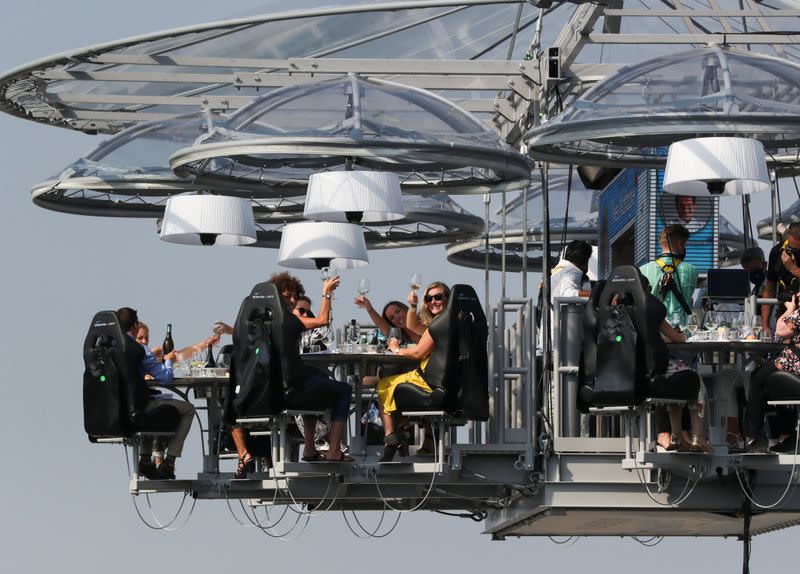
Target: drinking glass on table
691, 325
712, 320
755, 324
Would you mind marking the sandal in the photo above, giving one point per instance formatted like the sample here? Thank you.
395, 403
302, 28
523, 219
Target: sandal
406, 435
316, 457
700, 444
245, 467
341, 458
391, 442
673, 442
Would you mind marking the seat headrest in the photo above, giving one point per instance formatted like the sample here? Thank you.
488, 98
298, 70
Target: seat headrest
105, 330
624, 280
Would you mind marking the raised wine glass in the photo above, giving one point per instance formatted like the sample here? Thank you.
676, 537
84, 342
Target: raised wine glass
363, 286
416, 281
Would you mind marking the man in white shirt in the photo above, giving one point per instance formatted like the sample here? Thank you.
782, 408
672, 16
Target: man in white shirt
568, 275
567, 280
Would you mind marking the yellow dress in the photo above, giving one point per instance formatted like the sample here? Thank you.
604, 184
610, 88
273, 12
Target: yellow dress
387, 385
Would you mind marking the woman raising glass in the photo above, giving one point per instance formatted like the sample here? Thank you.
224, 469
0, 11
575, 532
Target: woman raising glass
435, 302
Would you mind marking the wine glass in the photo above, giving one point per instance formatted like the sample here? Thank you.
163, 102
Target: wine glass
755, 323
678, 320
691, 325
416, 281
363, 286
712, 320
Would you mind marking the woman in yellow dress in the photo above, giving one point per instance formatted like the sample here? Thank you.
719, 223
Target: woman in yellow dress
436, 296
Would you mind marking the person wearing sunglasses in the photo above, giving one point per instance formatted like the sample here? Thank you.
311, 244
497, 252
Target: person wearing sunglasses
435, 302
302, 309
395, 314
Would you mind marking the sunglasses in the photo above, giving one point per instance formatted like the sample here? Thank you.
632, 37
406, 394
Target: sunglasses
302, 310
434, 297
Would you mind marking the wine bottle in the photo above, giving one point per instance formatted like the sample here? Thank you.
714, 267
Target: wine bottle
210, 363
168, 346
353, 333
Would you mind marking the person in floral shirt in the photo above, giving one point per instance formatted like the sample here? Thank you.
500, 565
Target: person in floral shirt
788, 328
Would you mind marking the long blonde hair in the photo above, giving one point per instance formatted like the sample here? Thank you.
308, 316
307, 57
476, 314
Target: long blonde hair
425, 315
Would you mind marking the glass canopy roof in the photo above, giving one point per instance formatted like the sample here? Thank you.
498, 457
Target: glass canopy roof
277, 141
489, 57
632, 116
225, 64
128, 175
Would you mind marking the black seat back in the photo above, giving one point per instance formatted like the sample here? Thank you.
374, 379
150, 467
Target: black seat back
267, 372
113, 389
591, 328
629, 350
459, 363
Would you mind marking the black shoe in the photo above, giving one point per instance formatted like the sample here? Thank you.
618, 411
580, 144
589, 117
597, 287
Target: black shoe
757, 446
786, 446
245, 468
391, 442
166, 471
147, 469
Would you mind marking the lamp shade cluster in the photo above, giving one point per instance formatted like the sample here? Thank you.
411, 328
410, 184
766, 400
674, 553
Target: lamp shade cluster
339, 201
716, 166
208, 220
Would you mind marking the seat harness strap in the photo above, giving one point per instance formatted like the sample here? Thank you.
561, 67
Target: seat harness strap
668, 284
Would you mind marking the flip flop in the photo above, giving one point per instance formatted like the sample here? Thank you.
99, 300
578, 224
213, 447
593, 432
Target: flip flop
342, 458
317, 457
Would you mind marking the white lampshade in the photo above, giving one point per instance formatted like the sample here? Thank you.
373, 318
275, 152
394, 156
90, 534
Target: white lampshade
318, 244
716, 166
354, 196
208, 220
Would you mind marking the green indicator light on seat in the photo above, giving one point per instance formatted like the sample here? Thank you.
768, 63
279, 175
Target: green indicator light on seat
102, 378
258, 350
618, 338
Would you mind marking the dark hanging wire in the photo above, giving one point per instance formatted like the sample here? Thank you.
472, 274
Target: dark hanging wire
745, 226
750, 224
566, 211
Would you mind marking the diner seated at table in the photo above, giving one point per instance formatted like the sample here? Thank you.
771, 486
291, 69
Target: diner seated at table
763, 386
290, 290
394, 314
397, 434
677, 439
162, 373
311, 336
143, 338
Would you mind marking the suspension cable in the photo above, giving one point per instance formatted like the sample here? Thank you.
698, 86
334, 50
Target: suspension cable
791, 484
